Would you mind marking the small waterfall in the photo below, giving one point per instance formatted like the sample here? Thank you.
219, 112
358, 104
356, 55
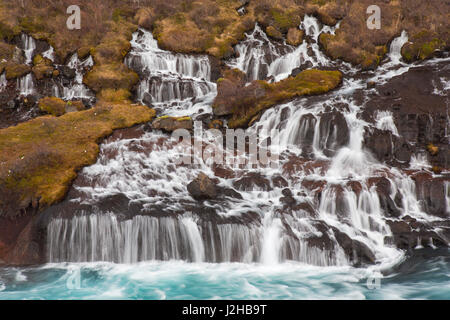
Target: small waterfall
49, 54
171, 78
75, 89
395, 52
28, 45
261, 58
385, 121
25, 85
3, 82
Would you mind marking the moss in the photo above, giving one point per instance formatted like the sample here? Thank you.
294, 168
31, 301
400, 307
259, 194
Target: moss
432, 149
6, 51
421, 46
249, 101
71, 142
42, 67
14, 70
52, 105
274, 33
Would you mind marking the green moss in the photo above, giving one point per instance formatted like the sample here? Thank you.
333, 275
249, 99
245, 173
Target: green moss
56, 148
14, 70
308, 82
52, 105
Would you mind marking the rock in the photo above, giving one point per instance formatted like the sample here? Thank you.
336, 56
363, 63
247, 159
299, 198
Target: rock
334, 132
387, 147
274, 33
371, 84
202, 187
383, 187
431, 193
294, 36
305, 66
279, 182
252, 181
172, 123
67, 72
229, 192
356, 251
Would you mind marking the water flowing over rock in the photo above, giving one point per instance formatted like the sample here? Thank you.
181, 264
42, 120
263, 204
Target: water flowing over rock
348, 188
260, 58
167, 78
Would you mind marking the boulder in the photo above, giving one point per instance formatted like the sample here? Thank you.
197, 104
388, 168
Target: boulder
202, 188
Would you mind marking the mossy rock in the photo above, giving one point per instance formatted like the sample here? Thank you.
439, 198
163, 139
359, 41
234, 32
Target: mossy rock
13, 70
274, 33
171, 124
40, 157
52, 105
250, 100
294, 36
42, 68
6, 51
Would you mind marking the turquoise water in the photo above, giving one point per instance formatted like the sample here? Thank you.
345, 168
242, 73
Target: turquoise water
424, 276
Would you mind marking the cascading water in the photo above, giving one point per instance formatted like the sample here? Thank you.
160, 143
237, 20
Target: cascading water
261, 58
25, 85
74, 89
176, 79
28, 45
3, 82
322, 161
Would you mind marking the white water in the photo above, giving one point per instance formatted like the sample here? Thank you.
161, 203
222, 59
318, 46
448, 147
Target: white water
49, 54
76, 89
3, 82
28, 46
25, 85
144, 170
261, 58
179, 80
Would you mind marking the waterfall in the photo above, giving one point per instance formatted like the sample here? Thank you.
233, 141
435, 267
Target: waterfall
49, 54
28, 46
385, 121
133, 205
25, 85
395, 52
168, 78
3, 82
261, 58
75, 89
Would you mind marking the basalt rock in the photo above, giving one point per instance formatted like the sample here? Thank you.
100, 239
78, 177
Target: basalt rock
387, 147
334, 132
252, 181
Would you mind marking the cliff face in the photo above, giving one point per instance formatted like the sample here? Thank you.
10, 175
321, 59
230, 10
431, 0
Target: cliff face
45, 141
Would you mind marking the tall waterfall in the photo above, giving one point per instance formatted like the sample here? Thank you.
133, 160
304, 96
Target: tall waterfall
133, 205
179, 80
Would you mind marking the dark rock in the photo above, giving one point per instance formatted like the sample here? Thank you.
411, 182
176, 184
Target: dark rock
334, 132
279, 182
252, 181
202, 187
